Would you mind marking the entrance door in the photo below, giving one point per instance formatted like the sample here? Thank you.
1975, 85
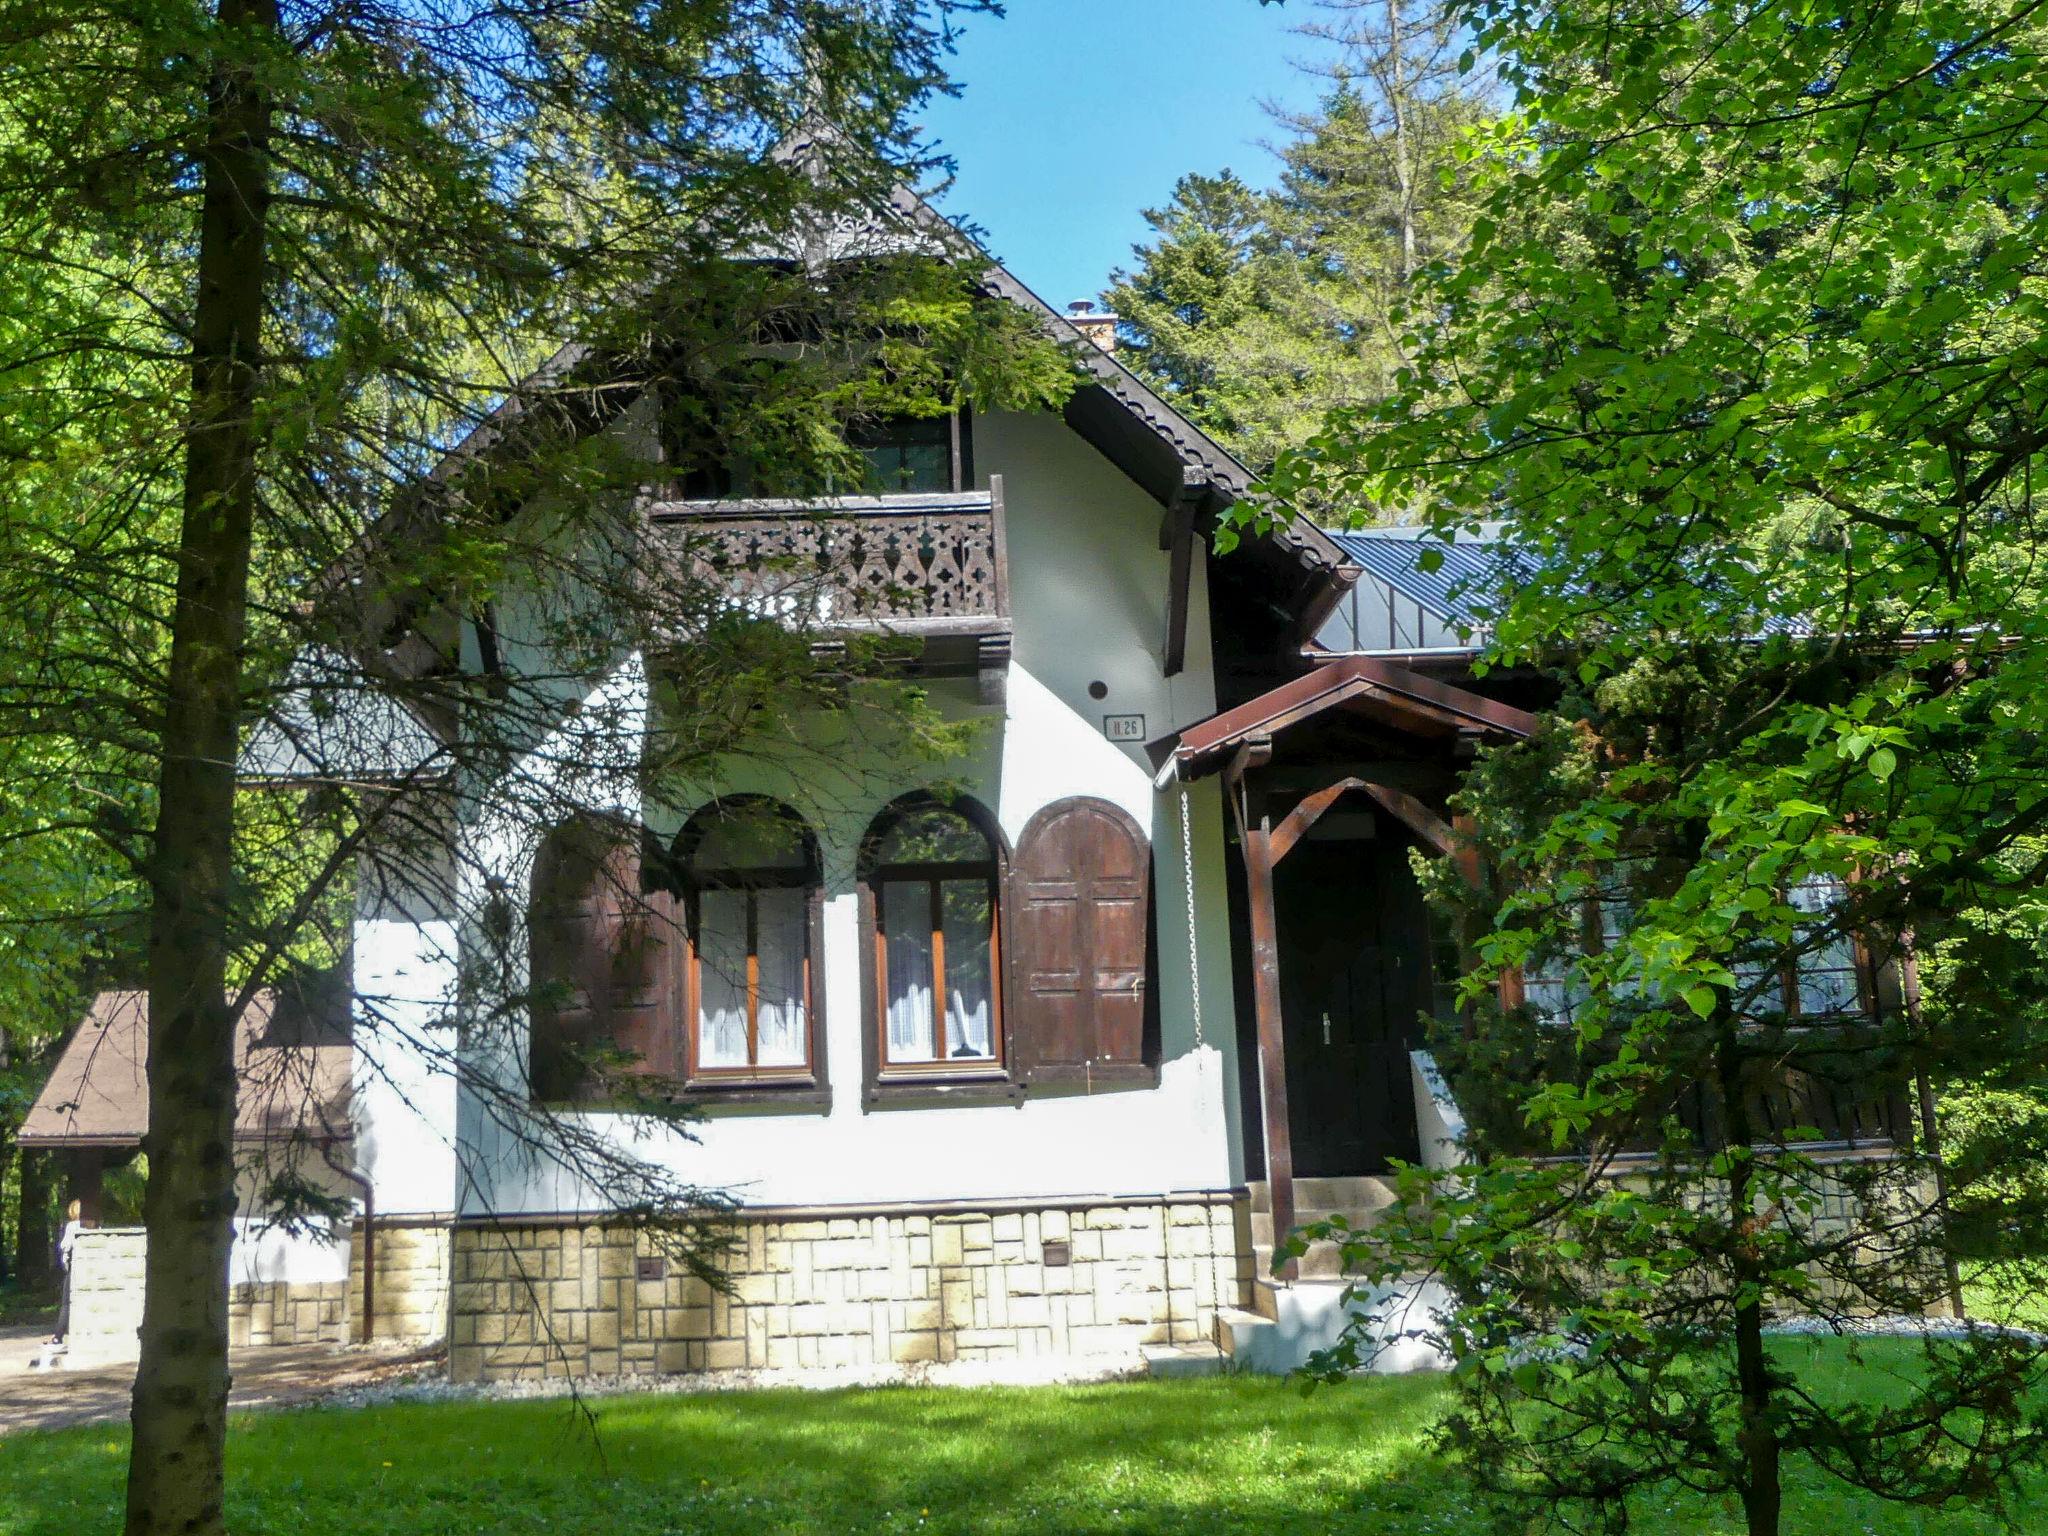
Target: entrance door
1354, 979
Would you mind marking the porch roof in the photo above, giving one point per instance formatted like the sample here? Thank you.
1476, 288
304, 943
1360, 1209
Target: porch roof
292, 1061
1384, 690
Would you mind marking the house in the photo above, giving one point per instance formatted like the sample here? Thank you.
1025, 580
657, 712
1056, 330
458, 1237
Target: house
1030, 1065
290, 1266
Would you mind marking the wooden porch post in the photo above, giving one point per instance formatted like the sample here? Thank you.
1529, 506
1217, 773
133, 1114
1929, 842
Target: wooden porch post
1256, 839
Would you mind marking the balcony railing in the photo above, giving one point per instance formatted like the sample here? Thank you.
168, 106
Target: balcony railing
917, 564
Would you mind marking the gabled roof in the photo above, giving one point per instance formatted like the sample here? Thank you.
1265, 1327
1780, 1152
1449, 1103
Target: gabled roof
1194, 478
1384, 690
292, 1062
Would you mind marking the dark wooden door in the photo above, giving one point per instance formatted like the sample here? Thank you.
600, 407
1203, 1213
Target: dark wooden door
1354, 980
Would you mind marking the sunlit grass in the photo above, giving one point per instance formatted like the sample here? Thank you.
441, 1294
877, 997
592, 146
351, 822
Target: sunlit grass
1234, 1455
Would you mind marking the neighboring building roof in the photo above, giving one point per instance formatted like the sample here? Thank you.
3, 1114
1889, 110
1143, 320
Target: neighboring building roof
292, 1059
1398, 607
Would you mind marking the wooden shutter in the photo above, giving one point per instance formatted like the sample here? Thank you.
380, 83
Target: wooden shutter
1080, 889
600, 958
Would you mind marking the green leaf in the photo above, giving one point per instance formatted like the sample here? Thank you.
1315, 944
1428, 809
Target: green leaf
1701, 1000
1882, 762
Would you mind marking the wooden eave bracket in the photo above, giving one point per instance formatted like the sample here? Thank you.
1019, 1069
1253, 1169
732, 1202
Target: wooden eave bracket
1177, 538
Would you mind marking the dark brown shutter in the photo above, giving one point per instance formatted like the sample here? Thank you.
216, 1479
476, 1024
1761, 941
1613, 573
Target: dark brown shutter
600, 960
1080, 883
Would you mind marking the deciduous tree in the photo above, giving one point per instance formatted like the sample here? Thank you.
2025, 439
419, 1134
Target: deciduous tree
1748, 349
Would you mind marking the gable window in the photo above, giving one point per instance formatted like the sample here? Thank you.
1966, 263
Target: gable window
907, 454
932, 876
751, 892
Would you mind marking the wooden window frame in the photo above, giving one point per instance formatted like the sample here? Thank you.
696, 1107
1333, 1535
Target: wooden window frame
945, 1079
751, 1083
958, 438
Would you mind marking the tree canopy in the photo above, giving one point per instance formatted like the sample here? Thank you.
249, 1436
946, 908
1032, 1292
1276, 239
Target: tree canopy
1260, 310
1747, 352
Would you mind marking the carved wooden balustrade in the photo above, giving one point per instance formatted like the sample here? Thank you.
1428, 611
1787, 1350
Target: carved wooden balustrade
928, 565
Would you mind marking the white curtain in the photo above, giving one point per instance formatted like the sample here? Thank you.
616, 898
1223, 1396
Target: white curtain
779, 918
722, 979
964, 918
907, 955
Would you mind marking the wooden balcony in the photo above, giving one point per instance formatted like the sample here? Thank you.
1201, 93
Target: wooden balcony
928, 566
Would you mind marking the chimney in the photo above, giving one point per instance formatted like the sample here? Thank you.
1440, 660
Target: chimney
1098, 325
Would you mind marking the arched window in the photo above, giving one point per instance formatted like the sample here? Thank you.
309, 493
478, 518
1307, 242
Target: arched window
933, 874
598, 939
751, 889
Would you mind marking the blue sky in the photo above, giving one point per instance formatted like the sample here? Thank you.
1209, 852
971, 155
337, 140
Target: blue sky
1078, 114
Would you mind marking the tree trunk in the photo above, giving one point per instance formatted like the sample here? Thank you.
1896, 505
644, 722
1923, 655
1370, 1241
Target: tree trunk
175, 1469
1404, 150
1756, 1438
34, 1240
6, 1248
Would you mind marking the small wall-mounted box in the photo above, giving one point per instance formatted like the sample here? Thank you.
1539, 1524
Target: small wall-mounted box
1058, 1255
653, 1267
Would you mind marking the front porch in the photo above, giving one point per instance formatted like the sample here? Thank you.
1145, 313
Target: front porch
1334, 781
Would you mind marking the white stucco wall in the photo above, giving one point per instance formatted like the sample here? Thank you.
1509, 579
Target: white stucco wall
403, 1081
265, 1252
1088, 598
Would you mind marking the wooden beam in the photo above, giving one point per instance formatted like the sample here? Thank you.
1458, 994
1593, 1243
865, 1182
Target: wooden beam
1177, 536
1258, 880
1305, 815
1416, 817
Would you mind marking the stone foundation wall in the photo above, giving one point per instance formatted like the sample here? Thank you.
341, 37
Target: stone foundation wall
556, 1298
288, 1312
412, 1280
106, 1295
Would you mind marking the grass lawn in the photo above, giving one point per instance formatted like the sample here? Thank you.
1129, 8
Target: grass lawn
1232, 1455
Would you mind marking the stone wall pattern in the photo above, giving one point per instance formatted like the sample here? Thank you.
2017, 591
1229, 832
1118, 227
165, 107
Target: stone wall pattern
559, 1299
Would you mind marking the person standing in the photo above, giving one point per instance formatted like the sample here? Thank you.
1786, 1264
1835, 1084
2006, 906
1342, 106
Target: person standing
66, 1242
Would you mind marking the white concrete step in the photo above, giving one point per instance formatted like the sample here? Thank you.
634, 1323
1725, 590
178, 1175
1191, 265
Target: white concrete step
1357, 1217
1323, 1261
1292, 1322
1365, 1191
1170, 1362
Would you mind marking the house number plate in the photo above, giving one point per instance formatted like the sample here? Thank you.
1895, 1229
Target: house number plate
1124, 727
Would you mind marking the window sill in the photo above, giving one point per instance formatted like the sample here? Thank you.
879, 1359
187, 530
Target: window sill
938, 1088
796, 1096
1079, 1082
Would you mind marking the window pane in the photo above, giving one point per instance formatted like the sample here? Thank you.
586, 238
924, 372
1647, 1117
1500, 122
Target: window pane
933, 835
907, 958
1554, 998
1826, 974
757, 839
966, 918
722, 979
779, 923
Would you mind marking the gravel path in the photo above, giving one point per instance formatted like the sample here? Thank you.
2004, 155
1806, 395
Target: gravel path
272, 1377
